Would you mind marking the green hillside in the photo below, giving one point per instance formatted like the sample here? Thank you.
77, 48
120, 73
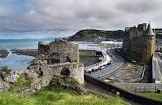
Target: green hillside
90, 34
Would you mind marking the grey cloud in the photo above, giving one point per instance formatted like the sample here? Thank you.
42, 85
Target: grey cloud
78, 14
139, 6
72, 14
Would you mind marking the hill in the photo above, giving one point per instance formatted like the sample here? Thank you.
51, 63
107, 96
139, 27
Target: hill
92, 34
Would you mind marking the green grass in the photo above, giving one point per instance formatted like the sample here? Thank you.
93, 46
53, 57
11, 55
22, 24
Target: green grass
156, 96
58, 96
23, 81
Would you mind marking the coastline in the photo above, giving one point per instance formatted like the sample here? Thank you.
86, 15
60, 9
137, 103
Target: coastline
86, 57
27, 52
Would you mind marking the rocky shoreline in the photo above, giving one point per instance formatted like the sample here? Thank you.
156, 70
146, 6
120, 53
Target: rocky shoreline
3, 53
28, 52
86, 57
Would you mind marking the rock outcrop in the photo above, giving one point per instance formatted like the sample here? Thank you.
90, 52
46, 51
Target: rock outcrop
3, 53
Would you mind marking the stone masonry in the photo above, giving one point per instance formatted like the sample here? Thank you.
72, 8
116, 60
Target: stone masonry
140, 43
54, 59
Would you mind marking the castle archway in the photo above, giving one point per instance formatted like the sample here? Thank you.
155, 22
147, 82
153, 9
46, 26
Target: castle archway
40, 72
65, 72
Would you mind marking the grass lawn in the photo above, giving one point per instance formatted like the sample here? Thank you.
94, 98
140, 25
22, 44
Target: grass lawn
58, 96
156, 96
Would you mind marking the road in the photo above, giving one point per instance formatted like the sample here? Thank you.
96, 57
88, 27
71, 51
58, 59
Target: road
106, 59
108, 56
117, 63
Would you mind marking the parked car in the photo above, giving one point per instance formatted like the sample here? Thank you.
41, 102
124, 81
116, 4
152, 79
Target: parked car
105, 65
89, 71
111, 62
93, 70
99, 68
102, 67
108, 63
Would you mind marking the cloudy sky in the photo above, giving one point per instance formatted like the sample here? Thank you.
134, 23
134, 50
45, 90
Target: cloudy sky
64, 15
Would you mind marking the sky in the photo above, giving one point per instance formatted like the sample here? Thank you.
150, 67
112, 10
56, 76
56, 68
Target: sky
65, 15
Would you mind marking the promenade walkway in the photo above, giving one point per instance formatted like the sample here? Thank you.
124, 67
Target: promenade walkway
156, 68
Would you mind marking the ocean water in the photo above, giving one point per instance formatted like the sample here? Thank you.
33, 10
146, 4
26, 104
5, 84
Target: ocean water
16, 62
23, 40
22, 43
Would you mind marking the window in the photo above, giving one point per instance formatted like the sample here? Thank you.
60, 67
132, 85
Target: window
68, 59
40, 72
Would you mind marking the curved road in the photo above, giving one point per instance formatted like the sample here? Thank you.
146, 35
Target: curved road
117, 63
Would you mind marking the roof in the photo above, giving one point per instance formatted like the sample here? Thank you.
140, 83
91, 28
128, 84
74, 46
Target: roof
149, 30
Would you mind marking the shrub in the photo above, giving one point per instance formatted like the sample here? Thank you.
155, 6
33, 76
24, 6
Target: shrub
4, 71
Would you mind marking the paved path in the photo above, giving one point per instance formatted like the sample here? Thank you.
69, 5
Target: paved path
156, 69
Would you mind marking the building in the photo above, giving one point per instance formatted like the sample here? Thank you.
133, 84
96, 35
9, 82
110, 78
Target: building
111, 44
140, 43
58, 58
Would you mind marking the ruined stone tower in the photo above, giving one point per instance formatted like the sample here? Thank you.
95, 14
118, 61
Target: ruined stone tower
58, 58
59, 51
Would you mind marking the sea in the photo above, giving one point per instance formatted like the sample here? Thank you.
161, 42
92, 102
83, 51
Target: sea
23, 40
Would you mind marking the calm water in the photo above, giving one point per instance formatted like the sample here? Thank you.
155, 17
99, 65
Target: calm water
16, 62
22, 40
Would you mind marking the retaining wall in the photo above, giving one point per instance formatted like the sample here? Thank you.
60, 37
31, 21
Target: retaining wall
123, 93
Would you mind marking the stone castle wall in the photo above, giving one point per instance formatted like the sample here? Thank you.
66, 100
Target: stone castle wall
67, 51
59, 52
75, 70
58, 58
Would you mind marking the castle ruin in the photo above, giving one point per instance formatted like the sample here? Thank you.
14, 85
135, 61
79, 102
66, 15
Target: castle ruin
58, 58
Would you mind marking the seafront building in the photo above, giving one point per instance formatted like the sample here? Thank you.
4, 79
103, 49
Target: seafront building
139, 44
